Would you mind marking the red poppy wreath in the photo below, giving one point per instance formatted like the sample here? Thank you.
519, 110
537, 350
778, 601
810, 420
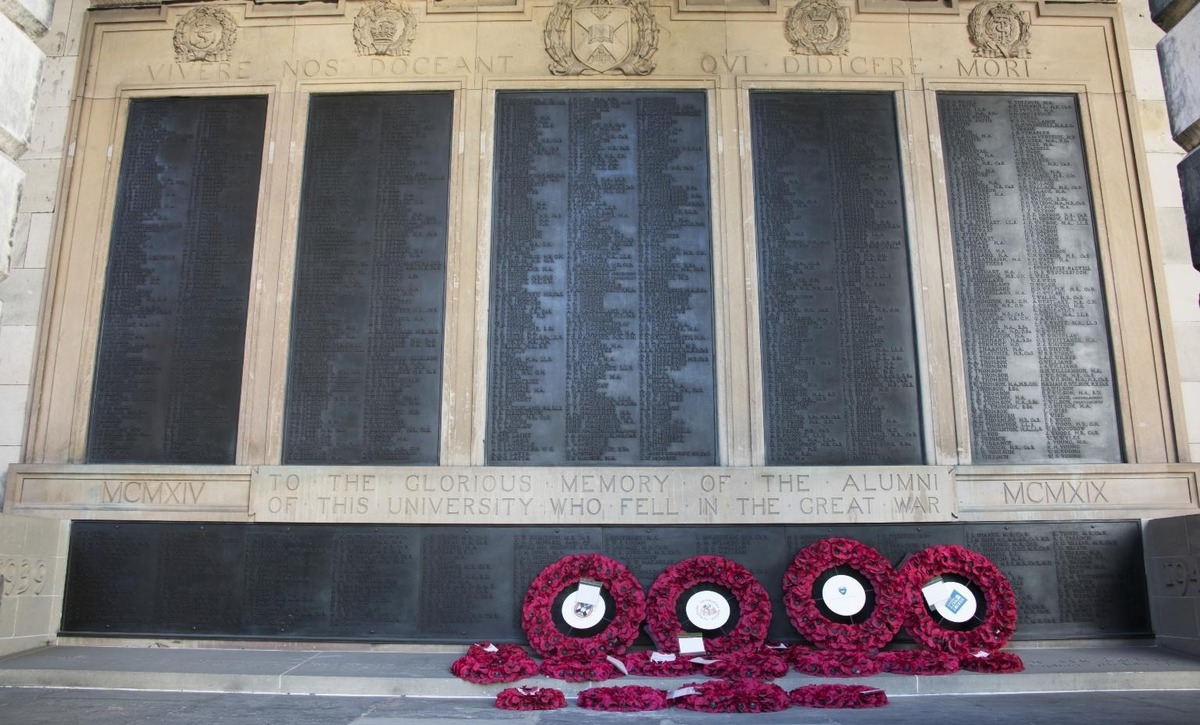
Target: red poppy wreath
716, 596
631, 698
843, 595
966, 604
732, 696
559, 623
838, 696
531, 698
993, 662
487, 663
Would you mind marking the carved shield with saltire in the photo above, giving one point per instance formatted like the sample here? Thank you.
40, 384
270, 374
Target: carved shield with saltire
601, 35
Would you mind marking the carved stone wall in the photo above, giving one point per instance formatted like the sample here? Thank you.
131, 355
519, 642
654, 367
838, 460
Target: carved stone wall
33, 558
912, 55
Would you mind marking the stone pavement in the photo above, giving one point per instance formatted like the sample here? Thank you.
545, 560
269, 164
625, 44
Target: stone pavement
183, 683
35, 706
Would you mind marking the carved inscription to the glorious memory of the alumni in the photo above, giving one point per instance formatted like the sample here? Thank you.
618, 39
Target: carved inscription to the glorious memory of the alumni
172, 333
838, 346
601, 314
1039, 370
364, 379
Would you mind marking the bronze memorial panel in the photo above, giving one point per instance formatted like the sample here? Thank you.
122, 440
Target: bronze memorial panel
169, 365
1035, 336
836, 312
601, 300
365, 366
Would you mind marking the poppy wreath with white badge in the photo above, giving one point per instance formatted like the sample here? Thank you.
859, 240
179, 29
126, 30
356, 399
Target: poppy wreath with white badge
965, 604
558, 626
844, 595
716, 596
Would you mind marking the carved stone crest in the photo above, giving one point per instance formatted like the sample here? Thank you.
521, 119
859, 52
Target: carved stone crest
818, 27
384, 28
589, 37
205, 34
999, 30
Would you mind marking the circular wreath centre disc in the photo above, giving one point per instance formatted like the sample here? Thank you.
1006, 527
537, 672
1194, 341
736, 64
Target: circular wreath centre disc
708, 609
844, 595
581, 615
953, 600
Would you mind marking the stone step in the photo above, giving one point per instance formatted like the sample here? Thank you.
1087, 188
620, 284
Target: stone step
425, 673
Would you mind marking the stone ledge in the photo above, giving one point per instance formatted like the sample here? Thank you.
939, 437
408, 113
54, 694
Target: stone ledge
426, 674
602, 496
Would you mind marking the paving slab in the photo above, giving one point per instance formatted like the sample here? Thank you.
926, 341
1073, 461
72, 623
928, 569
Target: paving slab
1117, 667
36, 706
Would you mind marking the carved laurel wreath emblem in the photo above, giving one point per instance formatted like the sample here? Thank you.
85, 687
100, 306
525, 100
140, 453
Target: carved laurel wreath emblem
590, 37
385, 28
205, 34
999, 30
818, 27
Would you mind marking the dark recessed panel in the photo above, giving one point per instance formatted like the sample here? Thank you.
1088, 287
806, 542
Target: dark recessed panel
601, 303
169, 363
365, 365
1070, 578
466, 584
465, 587
835, 293
1189, 181
372, 591
287, 586
1031, 302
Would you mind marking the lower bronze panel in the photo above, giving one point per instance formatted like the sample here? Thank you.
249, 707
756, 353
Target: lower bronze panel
464, 584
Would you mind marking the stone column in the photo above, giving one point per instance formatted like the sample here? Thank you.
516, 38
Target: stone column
25, 28
1179, 57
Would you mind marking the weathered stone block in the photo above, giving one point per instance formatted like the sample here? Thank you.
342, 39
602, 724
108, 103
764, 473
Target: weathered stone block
11, 181
1177, 53
32, 15
22, 63
1173, 577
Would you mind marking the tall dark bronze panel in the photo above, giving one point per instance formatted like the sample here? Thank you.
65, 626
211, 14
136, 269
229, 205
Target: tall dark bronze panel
838, 343
365, 366
169, 365
1035, 337
601, 302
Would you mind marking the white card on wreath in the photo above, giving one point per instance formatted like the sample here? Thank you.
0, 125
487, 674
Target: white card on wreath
691, 644
588, 592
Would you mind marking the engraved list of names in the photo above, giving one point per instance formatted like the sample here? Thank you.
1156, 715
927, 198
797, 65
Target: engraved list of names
365, 371
601, 301
1039, 369
172, 334
839, 351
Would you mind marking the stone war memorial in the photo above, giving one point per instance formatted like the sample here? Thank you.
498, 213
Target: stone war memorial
355, 318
